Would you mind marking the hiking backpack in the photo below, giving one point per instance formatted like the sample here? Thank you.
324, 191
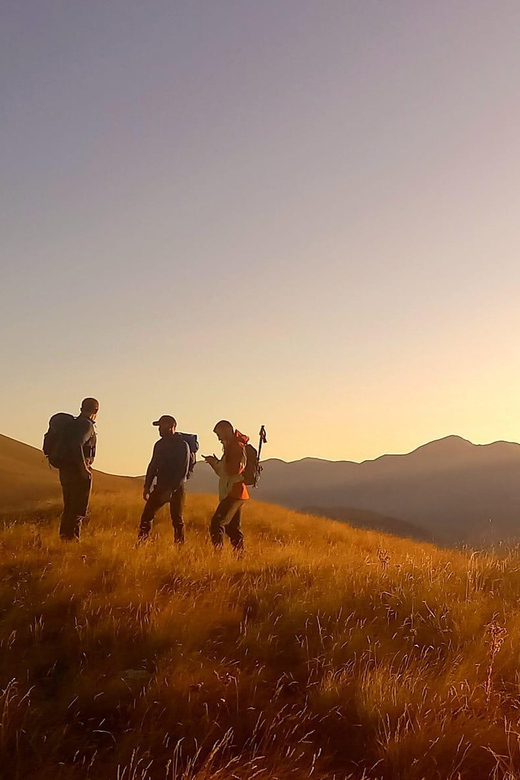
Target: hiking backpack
56, 440
251, 473
193, 443
253, 469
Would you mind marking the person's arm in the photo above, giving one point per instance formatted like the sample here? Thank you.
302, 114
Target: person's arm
215, 463
181, 463
82, 433
151, 471
93, 446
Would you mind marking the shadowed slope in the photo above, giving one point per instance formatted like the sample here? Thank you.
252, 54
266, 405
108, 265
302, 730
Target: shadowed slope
363, 518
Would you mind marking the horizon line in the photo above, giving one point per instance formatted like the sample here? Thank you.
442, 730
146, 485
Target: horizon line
315, 458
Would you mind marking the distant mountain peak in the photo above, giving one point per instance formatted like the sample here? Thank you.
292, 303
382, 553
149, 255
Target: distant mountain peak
450, 442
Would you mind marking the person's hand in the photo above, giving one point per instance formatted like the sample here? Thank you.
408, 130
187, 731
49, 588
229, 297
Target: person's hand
146, 494
211, 459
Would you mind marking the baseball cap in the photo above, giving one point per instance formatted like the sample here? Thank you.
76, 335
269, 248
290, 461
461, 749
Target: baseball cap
167, 419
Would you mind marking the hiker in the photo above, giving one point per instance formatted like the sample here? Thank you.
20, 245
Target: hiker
165, 477
70, 445
231, 488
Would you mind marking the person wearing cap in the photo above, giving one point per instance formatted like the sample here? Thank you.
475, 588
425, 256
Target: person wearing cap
231, 489
165, 477
76, 472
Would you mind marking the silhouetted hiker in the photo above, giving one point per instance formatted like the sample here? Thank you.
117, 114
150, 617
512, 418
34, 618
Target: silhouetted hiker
232, 491
70, 446
167, 472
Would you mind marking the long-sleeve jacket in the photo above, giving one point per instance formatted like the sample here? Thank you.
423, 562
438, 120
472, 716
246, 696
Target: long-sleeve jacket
230, 467
169, 464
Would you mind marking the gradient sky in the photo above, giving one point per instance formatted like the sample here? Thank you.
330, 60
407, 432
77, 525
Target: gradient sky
297, 213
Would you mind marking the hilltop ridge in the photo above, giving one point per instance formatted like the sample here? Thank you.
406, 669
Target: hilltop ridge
26, 477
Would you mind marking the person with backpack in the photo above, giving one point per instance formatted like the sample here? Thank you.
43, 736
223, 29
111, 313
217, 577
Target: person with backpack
70, 446
231, 470
172, 461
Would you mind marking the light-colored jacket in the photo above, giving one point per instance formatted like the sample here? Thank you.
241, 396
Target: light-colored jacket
230, 468
225, 481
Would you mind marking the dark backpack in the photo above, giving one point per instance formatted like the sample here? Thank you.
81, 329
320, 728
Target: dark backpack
57, 439
251, 473
193, 443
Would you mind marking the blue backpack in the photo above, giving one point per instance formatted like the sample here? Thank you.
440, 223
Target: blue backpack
193, 443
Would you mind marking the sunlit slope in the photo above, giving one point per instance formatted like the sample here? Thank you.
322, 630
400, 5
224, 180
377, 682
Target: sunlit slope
323, 652
25, 476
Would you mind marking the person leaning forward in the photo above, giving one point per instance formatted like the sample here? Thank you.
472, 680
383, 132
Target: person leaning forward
76, 471
231, 489
165, 477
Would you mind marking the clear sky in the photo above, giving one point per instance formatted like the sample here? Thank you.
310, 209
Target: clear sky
297, 213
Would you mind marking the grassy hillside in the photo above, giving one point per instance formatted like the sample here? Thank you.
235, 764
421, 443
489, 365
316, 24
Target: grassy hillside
26, 477
325, 651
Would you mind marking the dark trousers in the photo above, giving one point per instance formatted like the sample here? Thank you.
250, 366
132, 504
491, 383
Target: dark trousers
158, 498
227, 520
76, 494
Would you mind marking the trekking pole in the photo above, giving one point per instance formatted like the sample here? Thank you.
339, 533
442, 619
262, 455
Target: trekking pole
262, 440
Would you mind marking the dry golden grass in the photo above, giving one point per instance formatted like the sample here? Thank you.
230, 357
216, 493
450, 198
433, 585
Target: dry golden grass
324, 652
